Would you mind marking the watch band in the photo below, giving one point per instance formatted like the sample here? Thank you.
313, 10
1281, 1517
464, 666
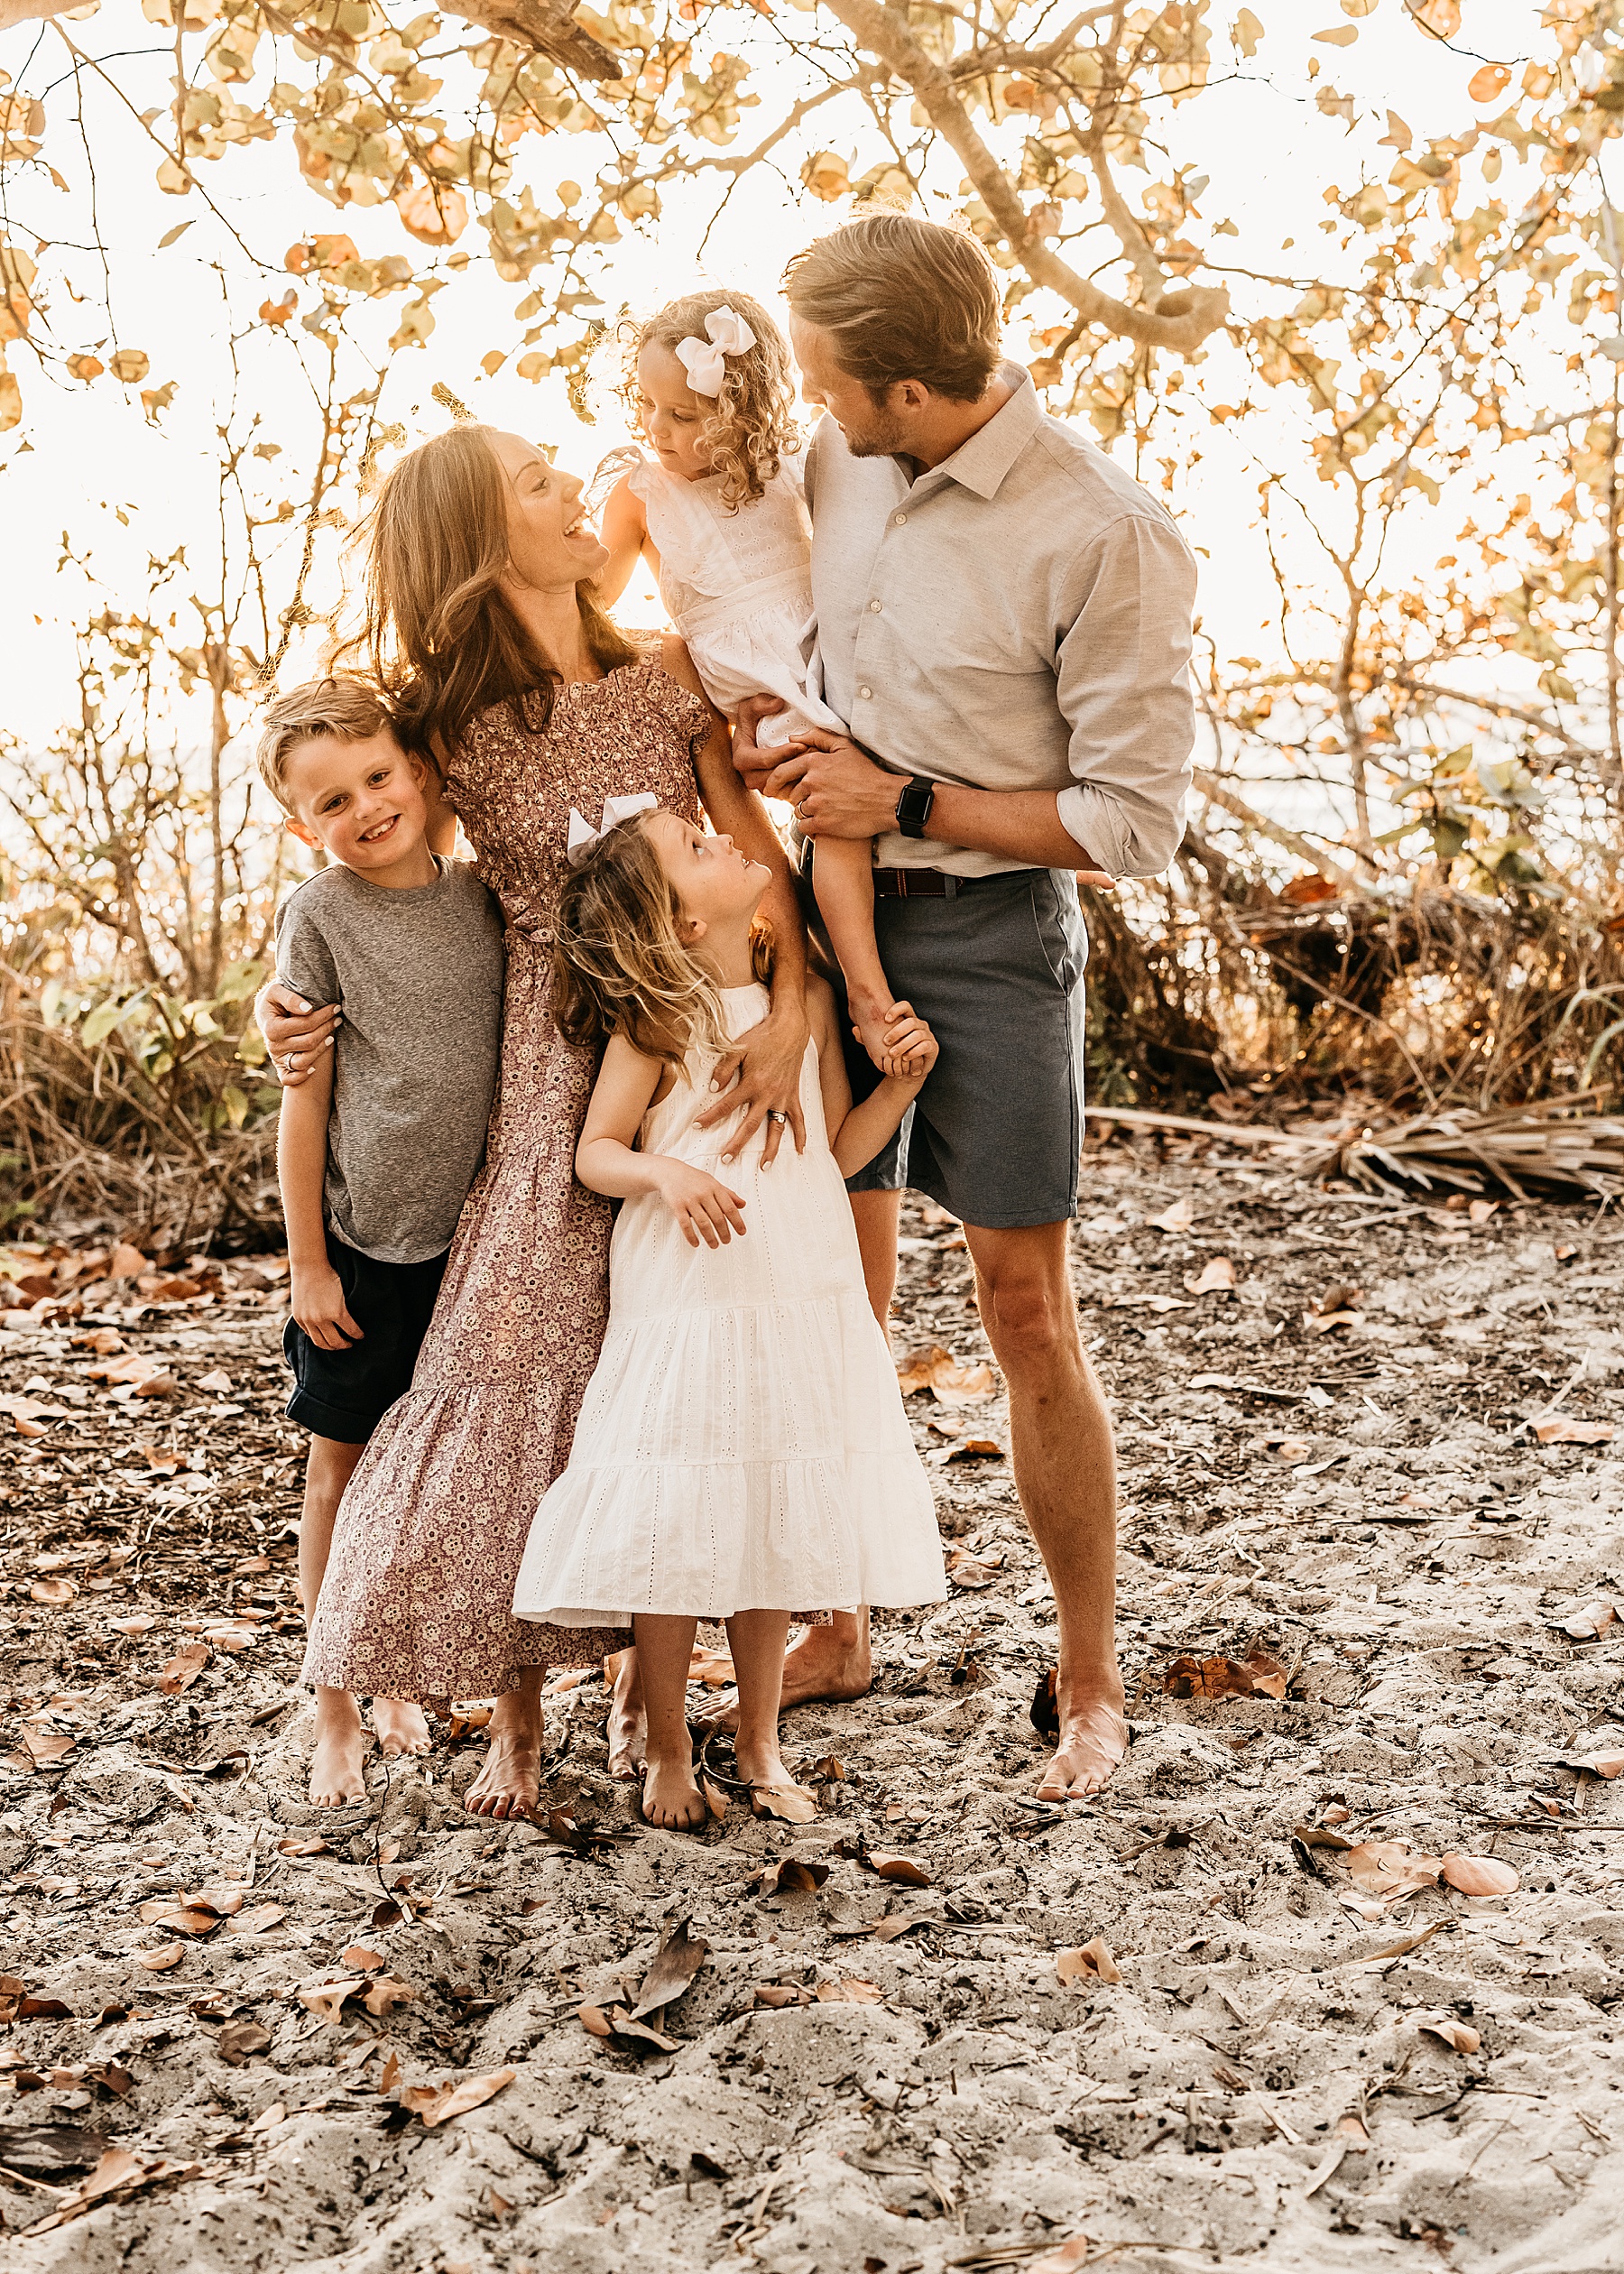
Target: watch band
913, 806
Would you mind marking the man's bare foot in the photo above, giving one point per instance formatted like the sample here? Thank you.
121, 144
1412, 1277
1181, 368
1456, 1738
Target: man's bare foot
627, 1728
402, 1727
829, 1662
337, 1778
1094, 1737
671, 1800
509, 1783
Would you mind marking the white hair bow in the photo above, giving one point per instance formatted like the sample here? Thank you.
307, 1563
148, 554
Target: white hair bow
704, 360
584, 840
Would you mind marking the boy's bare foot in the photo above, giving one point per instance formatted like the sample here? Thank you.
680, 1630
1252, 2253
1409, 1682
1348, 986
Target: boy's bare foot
401, 1727
509, 1783
1094, 1737
337, 1777
671, 1800
627, 1728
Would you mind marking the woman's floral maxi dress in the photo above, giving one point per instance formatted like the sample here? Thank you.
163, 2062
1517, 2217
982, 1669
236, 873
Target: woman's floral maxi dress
419, 1593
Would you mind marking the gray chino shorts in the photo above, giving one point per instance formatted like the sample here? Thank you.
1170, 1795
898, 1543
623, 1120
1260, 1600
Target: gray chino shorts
997, 971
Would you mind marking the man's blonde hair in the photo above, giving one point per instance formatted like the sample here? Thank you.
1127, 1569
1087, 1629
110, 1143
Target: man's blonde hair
348, 708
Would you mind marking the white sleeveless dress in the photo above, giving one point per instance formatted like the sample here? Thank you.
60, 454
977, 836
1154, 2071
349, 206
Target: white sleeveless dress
738, 587
742, 1444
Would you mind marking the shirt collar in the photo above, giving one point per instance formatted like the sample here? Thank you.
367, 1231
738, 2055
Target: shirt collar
982, 463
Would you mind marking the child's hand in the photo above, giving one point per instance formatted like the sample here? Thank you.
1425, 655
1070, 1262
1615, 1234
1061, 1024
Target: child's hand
911, 1048
706, 1209
873, 1022
319, 1306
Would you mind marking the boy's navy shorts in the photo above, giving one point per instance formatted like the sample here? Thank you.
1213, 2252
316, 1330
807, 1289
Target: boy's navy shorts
344, 1394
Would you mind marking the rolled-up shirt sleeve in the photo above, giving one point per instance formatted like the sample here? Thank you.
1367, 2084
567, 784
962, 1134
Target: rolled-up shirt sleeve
1124, 683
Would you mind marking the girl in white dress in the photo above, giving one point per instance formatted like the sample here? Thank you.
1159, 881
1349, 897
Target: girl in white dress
742, 1446
720, 514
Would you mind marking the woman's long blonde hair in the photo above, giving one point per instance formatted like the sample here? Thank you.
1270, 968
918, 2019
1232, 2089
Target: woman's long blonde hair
753, 423
441, 638
620, 962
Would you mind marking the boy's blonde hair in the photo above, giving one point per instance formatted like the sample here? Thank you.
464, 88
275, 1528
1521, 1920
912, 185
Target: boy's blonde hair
347, 707
619, 963
753, 423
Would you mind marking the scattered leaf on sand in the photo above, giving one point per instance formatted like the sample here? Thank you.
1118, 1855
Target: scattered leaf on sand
1316, 1835
301, 1847
1216, 1276
897, 1923
1260, 1675
781, 1994
238, 2040
326, 1999
383, 1994
939, 1371
359, 1959
1448, 2031
260, 1920
1562, 1430
853, 1991
616, 2024
161, 1961
218, 1383
967, 1570
1588, 1622
790, 1804
1179, 1217
1093, 1962
1596, 1764
56, 1593
1481, 1875
902, 1869
793, 1874
184, 1668
1388, 1867
714, 1669
119, 2174
439, 2103
977, 1450
676, 1963
45, 1745
1065, 2256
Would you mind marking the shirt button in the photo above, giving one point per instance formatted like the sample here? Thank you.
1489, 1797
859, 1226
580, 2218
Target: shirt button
866, 693
873, 608
901, 520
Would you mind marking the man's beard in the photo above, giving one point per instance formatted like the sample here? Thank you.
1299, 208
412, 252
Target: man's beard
880, 438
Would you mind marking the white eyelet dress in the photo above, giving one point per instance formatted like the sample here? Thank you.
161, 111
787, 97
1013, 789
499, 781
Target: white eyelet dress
738, 587
742, 1444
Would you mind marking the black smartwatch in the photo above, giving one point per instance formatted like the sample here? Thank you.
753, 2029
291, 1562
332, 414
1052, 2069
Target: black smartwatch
913, 806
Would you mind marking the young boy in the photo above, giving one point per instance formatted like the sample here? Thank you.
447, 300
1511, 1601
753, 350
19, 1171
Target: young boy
377, 1151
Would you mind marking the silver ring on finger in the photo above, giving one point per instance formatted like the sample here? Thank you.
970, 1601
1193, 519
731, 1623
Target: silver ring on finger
774, 1114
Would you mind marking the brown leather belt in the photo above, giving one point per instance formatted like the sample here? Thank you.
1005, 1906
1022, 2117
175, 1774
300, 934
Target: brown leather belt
922, 883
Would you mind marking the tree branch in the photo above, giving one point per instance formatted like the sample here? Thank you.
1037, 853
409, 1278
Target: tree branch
1180, 321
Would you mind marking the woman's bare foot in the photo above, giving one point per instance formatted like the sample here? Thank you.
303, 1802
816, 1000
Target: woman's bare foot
627, 1728
400, 1726
509, 1783
671, 1800
831, 1662
1094, 1737
337, 1778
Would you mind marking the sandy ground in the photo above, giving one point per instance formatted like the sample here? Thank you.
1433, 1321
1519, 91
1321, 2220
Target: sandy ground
1301, 2066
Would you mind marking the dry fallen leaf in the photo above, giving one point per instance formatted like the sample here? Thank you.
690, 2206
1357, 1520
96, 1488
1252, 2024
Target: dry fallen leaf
790, 1802
1562, 1430
1481, 1875
1596, 1764
1449, 2032
1589, 1621
676, 1963
55, 1593
359, 1959
901, 1869
977, 1450
238, 2040
184, 1668
632, 2037
967, 1570
850, 1992
1216, 1276
1065, 2256
1179, 1217
1260, 1675
439, 2103
1388, 1867
218, 1382
939, 1371
1093, 1962
793, 1874
326, 1999
163, 1959
383, 1994
781, 1994
301, 1847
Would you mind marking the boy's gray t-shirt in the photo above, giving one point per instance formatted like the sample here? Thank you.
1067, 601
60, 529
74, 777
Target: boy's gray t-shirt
419, 974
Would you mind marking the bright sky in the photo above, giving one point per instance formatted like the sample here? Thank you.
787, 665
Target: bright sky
124, 490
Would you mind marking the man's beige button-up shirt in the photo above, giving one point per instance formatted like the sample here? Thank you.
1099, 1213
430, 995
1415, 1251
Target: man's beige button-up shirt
1017, 618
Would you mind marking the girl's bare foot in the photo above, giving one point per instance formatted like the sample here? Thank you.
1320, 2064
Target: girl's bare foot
627, 1728
337, 1778
671, 1800
401, 1727
509, 1783
762, 1766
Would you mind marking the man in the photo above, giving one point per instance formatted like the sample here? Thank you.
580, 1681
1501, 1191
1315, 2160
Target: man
1005, 618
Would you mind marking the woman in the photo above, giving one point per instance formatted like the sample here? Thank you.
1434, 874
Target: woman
483, 629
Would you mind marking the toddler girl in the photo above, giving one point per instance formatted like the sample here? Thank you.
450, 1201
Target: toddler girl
720, 514
743, 1445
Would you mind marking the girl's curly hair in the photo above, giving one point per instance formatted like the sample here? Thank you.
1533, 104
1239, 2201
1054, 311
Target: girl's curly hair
620, 966
753, 422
